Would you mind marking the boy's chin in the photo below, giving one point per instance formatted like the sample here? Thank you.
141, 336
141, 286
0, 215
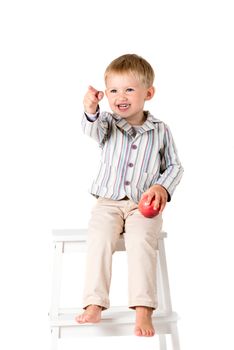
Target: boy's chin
121, 114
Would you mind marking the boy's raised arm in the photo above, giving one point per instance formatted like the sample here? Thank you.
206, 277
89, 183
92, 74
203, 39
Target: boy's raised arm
92, 125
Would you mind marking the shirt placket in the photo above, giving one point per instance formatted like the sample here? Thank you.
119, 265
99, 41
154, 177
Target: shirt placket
132, 158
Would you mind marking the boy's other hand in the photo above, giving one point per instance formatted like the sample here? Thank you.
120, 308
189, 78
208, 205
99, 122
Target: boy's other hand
159, 193
91, 100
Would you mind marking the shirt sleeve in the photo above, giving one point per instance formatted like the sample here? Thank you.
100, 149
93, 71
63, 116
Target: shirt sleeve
171, 170
96, 126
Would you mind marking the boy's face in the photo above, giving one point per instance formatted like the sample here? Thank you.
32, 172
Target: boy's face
126, 95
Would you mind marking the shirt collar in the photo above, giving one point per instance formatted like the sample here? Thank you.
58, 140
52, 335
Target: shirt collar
150, 123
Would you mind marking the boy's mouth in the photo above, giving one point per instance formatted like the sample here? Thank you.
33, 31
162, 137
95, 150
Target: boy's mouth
123, 106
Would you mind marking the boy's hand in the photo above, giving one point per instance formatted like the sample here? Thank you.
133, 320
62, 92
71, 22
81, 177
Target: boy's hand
91, 100
158, 193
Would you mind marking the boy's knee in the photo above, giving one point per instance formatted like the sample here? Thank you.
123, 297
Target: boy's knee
141, 240
103, 237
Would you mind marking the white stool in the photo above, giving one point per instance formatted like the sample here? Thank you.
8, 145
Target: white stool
116, 321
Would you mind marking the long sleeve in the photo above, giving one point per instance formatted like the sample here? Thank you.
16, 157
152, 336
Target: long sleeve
96, 126
171, 170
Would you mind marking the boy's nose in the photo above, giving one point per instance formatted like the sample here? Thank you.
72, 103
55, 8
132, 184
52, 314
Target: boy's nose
122, 95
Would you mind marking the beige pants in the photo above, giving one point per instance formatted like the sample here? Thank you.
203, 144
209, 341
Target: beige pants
109, 219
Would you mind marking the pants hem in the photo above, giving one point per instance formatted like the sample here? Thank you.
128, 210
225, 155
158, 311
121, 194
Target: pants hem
145, 303
99, 302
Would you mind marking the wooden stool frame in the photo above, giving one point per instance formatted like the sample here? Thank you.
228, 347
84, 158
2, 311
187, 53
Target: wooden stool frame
116, 321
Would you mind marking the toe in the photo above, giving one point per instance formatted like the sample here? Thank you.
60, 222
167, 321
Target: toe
138, 331
78, 318
88, 318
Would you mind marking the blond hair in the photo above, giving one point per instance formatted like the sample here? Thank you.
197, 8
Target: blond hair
131, 63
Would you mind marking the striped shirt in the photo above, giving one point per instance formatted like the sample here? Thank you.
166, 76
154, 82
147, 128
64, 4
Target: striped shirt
132, 160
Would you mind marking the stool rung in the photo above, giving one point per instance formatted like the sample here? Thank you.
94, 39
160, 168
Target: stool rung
111, 319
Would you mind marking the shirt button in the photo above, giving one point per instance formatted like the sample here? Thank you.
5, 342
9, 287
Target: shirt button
130, 165
127, 183
134, 146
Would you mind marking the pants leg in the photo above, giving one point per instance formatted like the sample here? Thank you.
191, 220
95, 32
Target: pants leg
141, 244
105, 227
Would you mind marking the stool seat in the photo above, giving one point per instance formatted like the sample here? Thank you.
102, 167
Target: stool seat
81, 235
78, 239
117, 320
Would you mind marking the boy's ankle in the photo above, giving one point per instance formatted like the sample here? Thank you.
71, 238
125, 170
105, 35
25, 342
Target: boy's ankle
144, 309
94, 306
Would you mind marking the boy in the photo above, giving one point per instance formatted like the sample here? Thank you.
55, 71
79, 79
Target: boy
139, 158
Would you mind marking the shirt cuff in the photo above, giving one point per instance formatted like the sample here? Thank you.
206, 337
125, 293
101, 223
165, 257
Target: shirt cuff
92, 117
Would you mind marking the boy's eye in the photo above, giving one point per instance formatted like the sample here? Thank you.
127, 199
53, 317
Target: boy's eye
113, 91
129, 89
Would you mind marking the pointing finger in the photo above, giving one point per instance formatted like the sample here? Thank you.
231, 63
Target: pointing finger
98, 94
92, 89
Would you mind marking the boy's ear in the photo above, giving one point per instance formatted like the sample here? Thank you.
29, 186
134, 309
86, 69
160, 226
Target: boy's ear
150, 93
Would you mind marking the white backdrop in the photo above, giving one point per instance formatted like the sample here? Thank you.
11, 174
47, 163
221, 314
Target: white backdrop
50, 52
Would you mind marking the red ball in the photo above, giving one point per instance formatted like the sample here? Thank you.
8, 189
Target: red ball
148, 209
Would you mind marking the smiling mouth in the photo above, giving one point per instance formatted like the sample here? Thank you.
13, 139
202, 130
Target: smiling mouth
123, 106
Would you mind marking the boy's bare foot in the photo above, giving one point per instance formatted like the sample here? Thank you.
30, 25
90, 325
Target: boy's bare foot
92, 314
144, 326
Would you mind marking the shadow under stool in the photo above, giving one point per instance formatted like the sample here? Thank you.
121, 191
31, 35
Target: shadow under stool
116, 321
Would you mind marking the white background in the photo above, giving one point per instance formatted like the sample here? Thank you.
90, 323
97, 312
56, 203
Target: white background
50, 52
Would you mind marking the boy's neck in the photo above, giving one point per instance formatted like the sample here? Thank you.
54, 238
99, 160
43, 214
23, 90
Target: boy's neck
138, 121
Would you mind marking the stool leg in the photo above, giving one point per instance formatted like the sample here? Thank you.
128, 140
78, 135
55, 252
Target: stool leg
56, 280
160, 291
162, 342
54, 338
164, 277
175, 337
166, 296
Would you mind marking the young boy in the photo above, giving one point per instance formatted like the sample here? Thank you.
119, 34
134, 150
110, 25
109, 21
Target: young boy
138, 158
